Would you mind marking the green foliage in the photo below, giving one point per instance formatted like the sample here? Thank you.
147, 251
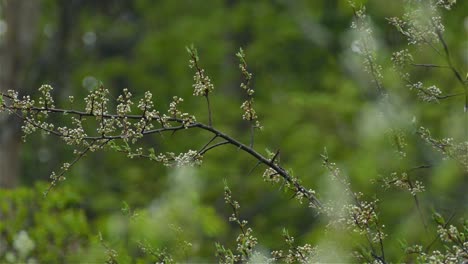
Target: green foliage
52, 229
398, 158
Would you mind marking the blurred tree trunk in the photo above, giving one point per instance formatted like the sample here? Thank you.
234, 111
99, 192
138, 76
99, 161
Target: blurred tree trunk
21, 19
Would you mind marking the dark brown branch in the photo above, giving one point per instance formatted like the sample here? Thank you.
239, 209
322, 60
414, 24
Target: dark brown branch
229, 140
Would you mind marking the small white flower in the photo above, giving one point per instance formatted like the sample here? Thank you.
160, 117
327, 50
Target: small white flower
23, 243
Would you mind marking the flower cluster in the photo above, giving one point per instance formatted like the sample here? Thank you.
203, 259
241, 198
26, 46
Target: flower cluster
97, 100
73, 135
109, 128
360, 216
161, 256
270, 175
125, 103
293, 185
456, 249
169, 159
398, 140
427, 94
24, 104
174, 112
22, 247
447, 4
111, 254
249, 112
246, 242
294, 253
247, 105
290, 183
46, 98
189, 158
202, 83
401, 59
365, 45
421, 23
403, 181
447, 146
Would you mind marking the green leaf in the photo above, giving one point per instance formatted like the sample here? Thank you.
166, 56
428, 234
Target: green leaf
125, 208
1, 99
438, 218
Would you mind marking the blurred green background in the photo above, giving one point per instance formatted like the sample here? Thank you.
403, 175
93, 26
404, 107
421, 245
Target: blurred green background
311, 94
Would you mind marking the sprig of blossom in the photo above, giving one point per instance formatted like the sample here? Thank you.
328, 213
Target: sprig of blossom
447, 146
97, 100
447, 4
455, 241
160, 255
398, 140
247, 106
111, 253
246, 241
421, 22
401, 60
176, 113
190, 158
294, 253
365, 45
292, 184
125, 103
23, 244
46, 98
360, 216
403, 181
122, 130
202, 83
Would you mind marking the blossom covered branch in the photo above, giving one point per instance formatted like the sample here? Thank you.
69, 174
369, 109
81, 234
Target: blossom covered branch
123, 129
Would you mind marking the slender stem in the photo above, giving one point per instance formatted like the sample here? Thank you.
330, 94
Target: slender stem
437, 236
420, 167
210, 120
212, 147
416, 202
252, 134
429, 65
208, 143
254, 167
448, 96
454, 70
79, 157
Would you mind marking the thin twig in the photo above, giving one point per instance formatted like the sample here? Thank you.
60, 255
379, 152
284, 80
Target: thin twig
454, 70
254, 167
210, 120
252, 134
214, 146
437, 237
429, 65
208, 143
